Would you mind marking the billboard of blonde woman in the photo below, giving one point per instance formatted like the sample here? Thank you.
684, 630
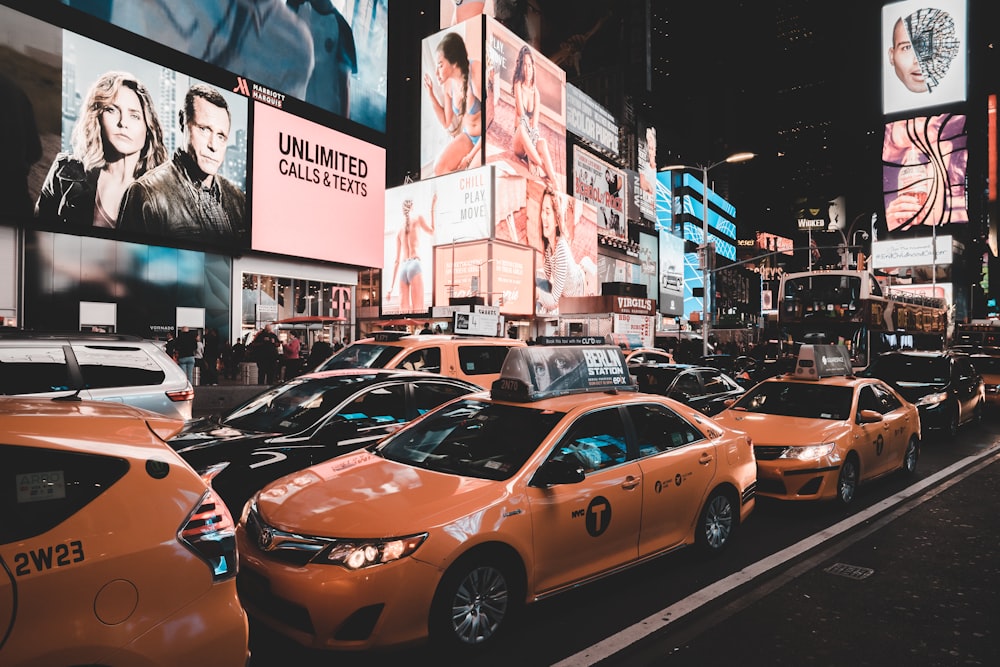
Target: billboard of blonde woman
526, 119
923, 54
451, 107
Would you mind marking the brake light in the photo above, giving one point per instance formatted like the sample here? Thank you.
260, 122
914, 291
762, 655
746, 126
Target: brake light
181, 395
211, 533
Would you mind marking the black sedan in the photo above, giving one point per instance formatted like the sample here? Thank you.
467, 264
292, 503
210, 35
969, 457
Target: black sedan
702, 387
307, 420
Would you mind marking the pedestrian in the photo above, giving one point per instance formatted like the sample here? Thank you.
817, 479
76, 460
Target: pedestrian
290, 361
210, 357
186, 346
236, 358
321, 351
264, 351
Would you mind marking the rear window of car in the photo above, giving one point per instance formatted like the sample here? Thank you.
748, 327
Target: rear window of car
482, 359
362, 355
33, 370
117, 366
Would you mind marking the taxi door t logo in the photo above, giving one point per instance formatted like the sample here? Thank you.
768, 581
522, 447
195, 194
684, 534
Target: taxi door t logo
598, 516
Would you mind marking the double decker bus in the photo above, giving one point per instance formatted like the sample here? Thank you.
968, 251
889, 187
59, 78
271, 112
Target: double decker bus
850, 307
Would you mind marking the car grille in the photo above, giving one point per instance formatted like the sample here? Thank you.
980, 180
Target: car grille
768, 452
255, 592
280, 545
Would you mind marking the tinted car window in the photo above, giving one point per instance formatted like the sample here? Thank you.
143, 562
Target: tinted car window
596, 441
987, 364
429, 395
481, 359
687, 385
33, 370
385, 404
292, 407
426, 359
716, 383
117, 367
659, 429
361, 355
49, 487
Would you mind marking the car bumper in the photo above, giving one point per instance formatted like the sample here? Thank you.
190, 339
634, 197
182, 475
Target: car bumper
798, 480
330, 607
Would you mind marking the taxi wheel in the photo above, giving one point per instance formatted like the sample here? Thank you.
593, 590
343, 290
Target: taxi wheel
717, 523
911, 455
474, 603
847, 481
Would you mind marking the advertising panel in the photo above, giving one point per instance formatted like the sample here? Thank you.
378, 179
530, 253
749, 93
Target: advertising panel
590, 121
146, 150
599, 183
647, 271
638, 327
505, 280
315, 188
424, 214
454, 12
330, 54
924, 162
671, 274
645, 192
451, 106
926, 250
923, 54
526, 120
768, 242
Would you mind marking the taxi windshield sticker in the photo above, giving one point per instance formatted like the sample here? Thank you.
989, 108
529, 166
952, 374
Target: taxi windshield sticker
35, 486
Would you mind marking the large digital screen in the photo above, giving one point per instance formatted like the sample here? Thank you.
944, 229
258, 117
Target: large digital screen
145, 150
454, 12
501, 274
671, 274
646, 177
452, 99
526, 120
318, 193
923, 54
924, 162
330, 54
601, 184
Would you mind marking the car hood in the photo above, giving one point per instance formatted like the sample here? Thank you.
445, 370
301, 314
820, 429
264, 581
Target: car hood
361, 494
775, 430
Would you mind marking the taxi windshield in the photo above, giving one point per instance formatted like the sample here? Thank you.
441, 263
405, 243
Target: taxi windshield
472, 438
361, 355
798, 399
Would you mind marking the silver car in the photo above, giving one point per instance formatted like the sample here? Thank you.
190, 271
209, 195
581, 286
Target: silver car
104, 367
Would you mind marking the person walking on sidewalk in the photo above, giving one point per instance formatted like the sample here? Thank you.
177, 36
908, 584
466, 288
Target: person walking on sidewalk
187, 347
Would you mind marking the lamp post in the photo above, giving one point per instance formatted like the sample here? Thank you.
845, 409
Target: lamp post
705, 271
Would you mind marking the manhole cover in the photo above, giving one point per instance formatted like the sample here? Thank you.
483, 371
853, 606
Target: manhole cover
850, 571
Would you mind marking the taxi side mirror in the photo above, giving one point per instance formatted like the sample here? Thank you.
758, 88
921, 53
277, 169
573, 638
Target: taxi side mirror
869, 416
558, 471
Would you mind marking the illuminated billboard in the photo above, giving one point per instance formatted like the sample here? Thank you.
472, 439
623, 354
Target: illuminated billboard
646, 177
923, 54
924, 164
452, 99
315, 189
331, 55
502, 274
526, 120
134, 155
601, 184
671, 274
454, 12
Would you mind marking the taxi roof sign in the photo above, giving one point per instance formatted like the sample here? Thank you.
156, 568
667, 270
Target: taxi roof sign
534, 372
820, 361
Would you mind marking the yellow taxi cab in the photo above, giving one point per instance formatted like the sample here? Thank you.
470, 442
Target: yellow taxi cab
820, 431
445, 529
113, 550
988, 366
476, 359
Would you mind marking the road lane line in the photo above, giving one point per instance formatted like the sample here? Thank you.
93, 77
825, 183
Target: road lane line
661, 619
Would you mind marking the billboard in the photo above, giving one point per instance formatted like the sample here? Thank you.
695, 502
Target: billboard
500, 273
451, 104
145, 150
333, 55
671, 274
924, 162
923, 54
454, 12
646, 177
314, 189
424, 214
601, 184
526, 120
590, 121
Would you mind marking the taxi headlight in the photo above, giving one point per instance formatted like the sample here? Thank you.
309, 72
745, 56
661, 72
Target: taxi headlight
356, 554
932, 399
809, 452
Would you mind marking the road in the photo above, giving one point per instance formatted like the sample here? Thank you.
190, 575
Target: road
908, 574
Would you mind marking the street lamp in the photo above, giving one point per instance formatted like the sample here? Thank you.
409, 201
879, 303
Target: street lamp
732, 159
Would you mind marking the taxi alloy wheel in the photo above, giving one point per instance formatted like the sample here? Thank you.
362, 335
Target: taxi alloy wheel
717, 522
473, 604
847, 481
910, 457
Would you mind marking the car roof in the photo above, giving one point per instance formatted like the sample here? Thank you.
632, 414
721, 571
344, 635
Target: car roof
378, 374
87, 336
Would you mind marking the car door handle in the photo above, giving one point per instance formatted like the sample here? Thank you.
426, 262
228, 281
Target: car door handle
705, 459
630, 482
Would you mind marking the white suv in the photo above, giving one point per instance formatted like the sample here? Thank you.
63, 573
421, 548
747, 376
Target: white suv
104, 367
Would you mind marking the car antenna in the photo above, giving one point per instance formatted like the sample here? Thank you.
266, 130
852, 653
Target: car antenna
75, 396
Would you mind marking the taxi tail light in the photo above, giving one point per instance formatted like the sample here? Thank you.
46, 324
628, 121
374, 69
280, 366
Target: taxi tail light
211, 534
181, 395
